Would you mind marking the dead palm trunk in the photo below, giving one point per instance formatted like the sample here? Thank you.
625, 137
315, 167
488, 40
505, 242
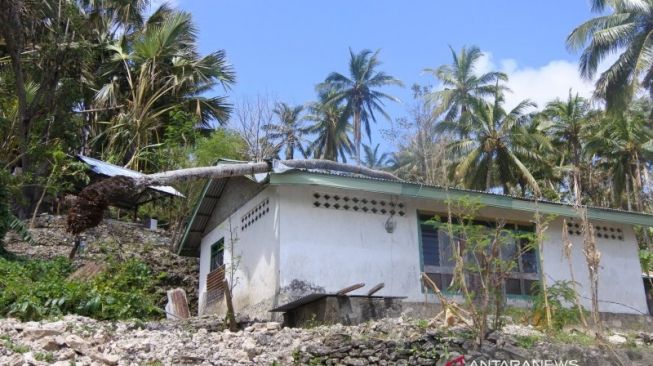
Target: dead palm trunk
91, 202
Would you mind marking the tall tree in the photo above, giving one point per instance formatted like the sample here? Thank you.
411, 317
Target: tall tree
568, 129
331, 128
155, 71
626, 31
360, 91
421, 154
492, 154
624, 144
461, 83
375, 159
288, 129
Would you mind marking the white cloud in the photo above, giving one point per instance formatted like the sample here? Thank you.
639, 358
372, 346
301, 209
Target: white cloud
540, 84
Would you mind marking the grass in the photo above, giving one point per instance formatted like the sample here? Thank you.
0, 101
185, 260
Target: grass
44, 356
580, 339
15, 347
528, 341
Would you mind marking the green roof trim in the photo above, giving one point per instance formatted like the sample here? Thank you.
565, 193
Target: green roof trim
192, 218
415, 190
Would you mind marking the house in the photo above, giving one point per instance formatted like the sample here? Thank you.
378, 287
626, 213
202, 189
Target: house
290, 233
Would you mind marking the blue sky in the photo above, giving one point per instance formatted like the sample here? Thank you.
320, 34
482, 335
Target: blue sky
282, 48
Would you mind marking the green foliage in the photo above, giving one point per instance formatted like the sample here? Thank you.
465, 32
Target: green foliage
44, 356
646, 259
6, 218
222, 143
14, 347
484, 254
35, 289
527, 341
560, 299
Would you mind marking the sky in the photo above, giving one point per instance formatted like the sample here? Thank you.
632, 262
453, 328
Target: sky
283, 48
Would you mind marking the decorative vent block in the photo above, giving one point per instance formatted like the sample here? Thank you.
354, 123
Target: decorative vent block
358, 204
254, 214
601, 230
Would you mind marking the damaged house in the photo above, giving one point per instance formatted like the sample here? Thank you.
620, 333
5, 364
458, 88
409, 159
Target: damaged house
281, 236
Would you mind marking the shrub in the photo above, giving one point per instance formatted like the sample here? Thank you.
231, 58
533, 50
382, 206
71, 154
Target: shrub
5, 214
561, 300
35, 289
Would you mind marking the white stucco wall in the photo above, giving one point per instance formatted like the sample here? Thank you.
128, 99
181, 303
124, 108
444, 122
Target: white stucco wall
621, 287
332, 249
255, 253
335, 248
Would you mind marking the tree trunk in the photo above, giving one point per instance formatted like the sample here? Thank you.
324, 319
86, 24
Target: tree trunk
357, 134
91, 202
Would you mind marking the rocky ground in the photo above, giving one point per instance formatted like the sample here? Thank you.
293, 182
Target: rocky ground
113, 238
75, 340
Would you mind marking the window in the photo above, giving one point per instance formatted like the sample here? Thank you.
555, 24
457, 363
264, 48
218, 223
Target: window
438, 263
217, 255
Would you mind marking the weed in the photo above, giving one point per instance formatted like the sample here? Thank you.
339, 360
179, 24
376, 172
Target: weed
581, 339
37, 289
44, 356
422, 324
15, 347
527, 341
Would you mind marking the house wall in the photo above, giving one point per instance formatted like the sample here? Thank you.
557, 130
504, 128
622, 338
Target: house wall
297, 249
325, 250
621, 287
253, 254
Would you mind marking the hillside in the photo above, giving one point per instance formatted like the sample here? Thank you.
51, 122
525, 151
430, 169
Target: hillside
113, 240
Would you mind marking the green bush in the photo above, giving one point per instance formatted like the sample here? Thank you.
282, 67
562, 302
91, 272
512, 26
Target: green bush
5, 214
36, 289
561, 302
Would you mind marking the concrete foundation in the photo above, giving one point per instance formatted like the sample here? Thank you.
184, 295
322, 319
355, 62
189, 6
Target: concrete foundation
346, 310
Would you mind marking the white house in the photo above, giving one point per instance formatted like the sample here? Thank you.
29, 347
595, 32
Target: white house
293, 233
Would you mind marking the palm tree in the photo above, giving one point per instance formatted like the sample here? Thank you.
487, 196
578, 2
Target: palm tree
359, 90
567, 125
493, 153
331, 127
461, 83
624, 144
288, 129
627, 30
154, 71
373, 159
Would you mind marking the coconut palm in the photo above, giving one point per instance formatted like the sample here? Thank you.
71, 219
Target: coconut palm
151, 73
625, 31
289, 129
331, 127
360, 91
566, 124
493, 153
373, 159
624, 144
461, 83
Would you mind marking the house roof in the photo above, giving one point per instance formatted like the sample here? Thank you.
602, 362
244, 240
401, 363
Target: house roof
105, 169
302, 177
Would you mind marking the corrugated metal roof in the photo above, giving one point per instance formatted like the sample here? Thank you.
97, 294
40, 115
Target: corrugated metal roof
110, 170
453, 189
280, 174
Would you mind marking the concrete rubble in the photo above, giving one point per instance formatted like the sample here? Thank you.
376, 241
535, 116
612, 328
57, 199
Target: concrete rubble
203, 341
